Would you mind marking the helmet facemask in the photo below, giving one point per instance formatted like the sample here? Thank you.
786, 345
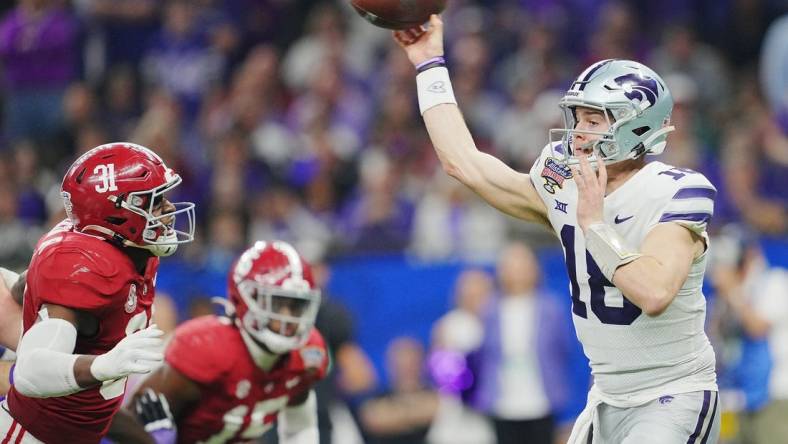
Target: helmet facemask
279, 317
163, 233
606, 145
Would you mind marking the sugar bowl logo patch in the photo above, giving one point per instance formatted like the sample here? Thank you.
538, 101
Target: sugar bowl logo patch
313, 357
554, 175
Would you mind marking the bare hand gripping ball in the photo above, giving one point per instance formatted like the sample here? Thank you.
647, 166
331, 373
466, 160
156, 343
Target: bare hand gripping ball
398, 14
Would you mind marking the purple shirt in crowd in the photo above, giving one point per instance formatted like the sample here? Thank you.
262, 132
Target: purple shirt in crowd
38, 52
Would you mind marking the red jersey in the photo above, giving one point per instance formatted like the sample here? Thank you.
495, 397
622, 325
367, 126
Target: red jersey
239, 400
88, 274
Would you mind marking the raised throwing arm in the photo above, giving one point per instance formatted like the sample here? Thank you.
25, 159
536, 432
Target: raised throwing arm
502, 187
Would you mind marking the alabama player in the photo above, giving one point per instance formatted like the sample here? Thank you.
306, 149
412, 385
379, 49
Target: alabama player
633, 233
227, 379
88, 295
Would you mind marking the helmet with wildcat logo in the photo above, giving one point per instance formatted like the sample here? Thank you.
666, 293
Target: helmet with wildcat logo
632, 97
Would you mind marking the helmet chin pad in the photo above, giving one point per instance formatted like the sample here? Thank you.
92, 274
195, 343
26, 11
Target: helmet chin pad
166, 244
258, 328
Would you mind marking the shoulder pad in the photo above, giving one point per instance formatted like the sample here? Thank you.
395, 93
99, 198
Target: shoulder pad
85, 261
204, 348
313, 356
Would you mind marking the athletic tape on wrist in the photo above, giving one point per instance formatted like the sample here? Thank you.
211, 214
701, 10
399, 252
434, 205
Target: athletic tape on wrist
608, 249
434, 88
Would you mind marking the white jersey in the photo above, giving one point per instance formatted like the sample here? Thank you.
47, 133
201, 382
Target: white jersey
635, 357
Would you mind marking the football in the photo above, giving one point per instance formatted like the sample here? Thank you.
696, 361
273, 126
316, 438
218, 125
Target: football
397, 14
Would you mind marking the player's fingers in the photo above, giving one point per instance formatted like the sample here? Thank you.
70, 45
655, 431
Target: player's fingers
436, 21
404, 38
150, 332
140, 369
149, 395
159, 410
143, 365
602, 170
138, 407
398, 37
579, 180
149, 407
586, 172
147, 342
414, 34
165, 405
147, 355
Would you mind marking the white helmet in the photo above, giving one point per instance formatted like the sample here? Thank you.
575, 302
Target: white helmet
636, 103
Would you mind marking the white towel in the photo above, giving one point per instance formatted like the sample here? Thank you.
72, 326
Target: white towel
586, 418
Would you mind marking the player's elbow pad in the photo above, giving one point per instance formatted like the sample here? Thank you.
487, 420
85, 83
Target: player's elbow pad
298, 424
45, 360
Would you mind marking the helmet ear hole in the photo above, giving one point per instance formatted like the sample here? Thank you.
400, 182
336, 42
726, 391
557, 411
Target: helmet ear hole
116, 220
641, 130
81, 175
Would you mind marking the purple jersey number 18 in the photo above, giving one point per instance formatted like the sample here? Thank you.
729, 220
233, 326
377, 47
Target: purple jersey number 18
597, 282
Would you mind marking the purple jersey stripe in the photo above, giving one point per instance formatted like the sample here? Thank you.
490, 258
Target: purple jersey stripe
689, 193
694, 217
701, 418
711, 420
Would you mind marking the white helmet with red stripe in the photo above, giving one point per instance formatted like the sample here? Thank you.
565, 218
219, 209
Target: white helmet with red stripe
273, 295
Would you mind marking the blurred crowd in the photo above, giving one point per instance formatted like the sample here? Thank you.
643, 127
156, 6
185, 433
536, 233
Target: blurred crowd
297, 120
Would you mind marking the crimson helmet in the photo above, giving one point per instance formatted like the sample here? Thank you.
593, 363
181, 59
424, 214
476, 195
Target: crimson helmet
112, 190
273, 295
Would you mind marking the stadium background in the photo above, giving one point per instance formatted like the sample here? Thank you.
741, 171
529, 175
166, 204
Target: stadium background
294, 119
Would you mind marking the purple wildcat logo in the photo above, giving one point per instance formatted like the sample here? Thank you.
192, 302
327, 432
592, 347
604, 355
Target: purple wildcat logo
639, 88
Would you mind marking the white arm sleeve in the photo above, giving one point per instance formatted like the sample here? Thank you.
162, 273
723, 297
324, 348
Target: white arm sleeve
45, 360
9, 277
298, 424
11, 325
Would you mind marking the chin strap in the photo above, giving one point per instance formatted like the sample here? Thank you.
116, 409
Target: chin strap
111, 234
152, 248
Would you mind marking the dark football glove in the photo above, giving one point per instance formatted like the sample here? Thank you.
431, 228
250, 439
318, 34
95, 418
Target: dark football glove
154, 413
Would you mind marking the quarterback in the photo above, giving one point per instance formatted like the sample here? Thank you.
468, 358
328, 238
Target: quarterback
227, 379
88, 296
633, 234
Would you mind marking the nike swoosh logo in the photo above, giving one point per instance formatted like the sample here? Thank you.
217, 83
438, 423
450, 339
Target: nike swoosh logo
619, 220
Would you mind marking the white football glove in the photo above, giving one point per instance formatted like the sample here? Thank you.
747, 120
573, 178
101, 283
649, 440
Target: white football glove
139, 352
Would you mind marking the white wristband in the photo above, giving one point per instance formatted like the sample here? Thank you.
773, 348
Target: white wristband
434, 88
608, 249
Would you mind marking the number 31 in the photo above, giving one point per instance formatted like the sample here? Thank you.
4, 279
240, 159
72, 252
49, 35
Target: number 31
107, 176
